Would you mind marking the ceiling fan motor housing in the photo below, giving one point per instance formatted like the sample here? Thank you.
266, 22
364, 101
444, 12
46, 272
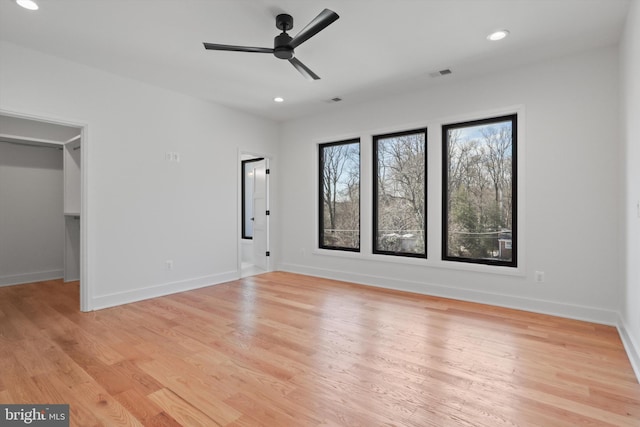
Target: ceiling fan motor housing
281, 48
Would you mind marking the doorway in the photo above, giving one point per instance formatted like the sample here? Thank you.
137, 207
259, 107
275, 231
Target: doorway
34, 138
254, 254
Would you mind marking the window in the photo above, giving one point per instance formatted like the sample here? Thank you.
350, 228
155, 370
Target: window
339, 193
399, 188
479, 191
248, 177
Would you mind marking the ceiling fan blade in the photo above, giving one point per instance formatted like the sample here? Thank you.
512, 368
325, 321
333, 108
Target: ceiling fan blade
304, 70
214, 46
319, 23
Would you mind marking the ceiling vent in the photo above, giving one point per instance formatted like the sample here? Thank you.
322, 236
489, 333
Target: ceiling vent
444, 72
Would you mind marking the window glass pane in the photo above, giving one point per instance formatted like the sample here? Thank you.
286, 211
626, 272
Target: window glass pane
479, 191
399, 192
340, 195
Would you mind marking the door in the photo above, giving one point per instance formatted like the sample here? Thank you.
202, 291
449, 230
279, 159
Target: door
260, 217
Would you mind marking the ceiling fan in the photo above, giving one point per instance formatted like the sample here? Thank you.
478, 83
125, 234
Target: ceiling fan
284, 44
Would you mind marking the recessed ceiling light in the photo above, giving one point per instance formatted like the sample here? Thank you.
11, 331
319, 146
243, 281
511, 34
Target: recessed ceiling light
28, 4
498, 35
278, 99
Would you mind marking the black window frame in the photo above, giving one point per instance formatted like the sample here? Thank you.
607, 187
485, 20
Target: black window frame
513, 263
376, 138
243, 187
321, 236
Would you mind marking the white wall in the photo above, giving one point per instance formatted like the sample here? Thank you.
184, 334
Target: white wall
570, 194
141, 209
31, 217
630, 160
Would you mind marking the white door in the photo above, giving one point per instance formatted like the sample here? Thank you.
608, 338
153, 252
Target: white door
260, 217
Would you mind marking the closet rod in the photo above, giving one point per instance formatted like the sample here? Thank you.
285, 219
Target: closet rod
31, 144
76, 148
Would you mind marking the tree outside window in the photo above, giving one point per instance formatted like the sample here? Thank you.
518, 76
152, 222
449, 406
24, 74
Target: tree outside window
399, 219
479, 191
339, 192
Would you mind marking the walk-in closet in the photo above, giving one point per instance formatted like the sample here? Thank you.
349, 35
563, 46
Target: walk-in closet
40, 201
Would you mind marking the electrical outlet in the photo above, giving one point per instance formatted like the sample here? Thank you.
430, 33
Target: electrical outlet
168, 264
539, 276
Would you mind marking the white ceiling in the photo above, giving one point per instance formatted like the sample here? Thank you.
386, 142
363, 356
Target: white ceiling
376, 48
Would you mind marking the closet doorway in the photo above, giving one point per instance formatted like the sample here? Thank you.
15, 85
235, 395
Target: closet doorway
254, 254
41, 202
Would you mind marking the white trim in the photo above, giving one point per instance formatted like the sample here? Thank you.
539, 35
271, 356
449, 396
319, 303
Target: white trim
86, 281
423, 262
571, 311
267, 195
45, 118
18, 279
632, 348
126, 297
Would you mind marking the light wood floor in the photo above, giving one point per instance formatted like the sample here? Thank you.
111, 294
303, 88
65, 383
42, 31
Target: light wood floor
289, 350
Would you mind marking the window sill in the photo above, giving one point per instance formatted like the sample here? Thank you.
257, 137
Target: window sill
422, 262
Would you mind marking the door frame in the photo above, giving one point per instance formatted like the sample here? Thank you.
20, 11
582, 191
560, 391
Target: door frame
267, 158
85, 284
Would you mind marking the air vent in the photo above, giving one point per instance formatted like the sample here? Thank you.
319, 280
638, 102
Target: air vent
444, 72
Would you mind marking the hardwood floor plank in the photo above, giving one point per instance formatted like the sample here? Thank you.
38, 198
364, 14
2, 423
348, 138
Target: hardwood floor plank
104, 406
81, 412
207, 394
261, 409
282, 349
180, 410
143, 408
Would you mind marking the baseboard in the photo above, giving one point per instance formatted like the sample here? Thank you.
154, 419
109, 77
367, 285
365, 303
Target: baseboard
18, 279
571, 311
631, 347
119, 298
